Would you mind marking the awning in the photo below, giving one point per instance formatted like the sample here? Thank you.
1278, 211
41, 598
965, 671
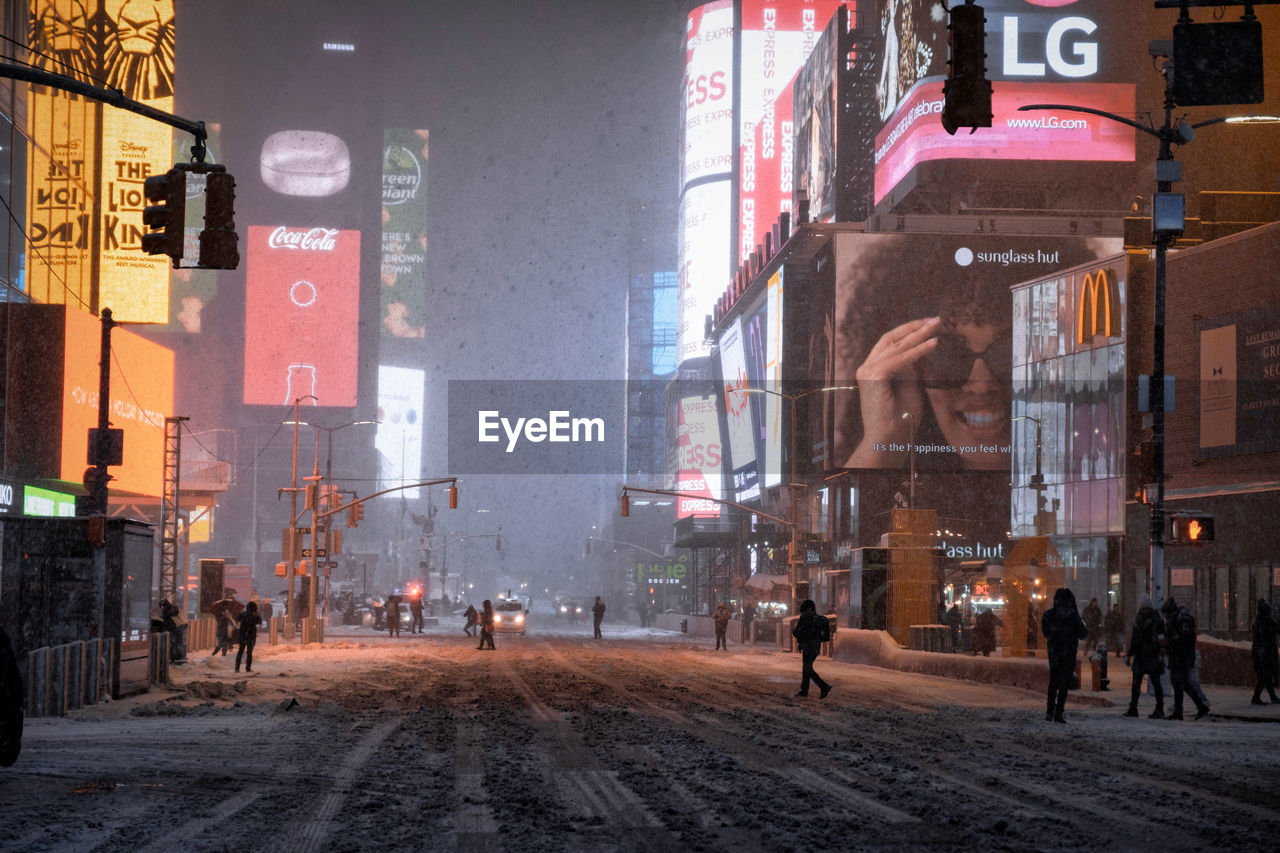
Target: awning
766, 583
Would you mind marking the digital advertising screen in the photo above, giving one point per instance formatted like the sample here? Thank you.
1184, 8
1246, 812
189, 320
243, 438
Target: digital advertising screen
704, 236
699, 455
141, 398
737, 406
1038, 52
302, 315
399, 438
404, 233
777, 38
924, 328
771, 427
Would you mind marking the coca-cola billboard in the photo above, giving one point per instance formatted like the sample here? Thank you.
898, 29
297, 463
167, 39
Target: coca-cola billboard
302, 315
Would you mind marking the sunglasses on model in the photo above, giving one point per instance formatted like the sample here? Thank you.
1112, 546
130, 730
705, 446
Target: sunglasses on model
951, 362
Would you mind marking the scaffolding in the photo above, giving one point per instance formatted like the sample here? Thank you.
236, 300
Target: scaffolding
169, 508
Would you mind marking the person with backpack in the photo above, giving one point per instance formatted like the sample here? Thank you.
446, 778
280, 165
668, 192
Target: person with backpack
486, 626
1063, 630
1143, 656
1180, 646
811, 631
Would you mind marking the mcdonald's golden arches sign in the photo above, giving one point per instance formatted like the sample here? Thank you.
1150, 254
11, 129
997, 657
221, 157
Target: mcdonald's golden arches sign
1099, 309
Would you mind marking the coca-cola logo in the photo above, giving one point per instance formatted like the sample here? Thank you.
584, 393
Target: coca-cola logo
314, 239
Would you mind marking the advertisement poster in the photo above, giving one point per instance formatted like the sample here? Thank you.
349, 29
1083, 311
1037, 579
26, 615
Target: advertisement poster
698, 448
302, 315
1240, 382
737, 406
399, 437
404, 233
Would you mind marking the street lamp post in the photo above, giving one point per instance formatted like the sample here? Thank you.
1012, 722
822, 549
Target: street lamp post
911, 461
1167, 219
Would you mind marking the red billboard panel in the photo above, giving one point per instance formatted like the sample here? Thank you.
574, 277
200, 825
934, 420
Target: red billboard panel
302, 315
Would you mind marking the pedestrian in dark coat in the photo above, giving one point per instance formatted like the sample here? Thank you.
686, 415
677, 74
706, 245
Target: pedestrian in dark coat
225, 611
473, 619
1113, 626
1266, 663
1180, 647
13, 699
416, 626
393, 615
955, 618
1063, 630
1093, 624
249, 621
1144, 656
809, 640
722, 617
597, 616
486, 626
984, 633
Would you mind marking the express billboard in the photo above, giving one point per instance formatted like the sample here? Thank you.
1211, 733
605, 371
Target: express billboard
302, 315
1038, 52
699, 457
777, 37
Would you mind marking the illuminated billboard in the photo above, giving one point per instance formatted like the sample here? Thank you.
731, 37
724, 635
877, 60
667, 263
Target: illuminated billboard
737, 406
923, 326
777, 38
704, 236
1038, 52
75, 210
399, 437
698, 451
404, 233
141, 398
302, 315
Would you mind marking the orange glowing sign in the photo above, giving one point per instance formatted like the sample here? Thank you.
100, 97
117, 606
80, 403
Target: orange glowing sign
1098, 307
141, 398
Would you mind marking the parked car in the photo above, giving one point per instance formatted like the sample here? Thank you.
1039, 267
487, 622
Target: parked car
509, 616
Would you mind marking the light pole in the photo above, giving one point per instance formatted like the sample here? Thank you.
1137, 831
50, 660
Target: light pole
290, 608
1037, 479
911, 460
1168, 220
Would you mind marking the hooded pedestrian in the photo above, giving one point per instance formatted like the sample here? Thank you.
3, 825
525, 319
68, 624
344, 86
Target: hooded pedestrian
416, 626
597, 616
810, 631
984, 632
1063, 630
1093, 624
1113, 626
722, 617
393, 615
473, 619
249, 620
1180, 647
486, 625
1144, 656
1266, 662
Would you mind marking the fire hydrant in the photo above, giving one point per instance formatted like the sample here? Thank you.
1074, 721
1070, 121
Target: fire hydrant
1098, 665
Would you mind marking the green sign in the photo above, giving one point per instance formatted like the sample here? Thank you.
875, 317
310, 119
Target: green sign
46, 502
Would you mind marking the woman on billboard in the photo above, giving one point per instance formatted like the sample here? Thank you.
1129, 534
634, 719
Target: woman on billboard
933, 365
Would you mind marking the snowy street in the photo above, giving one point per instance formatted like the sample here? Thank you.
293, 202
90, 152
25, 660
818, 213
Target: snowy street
640, 741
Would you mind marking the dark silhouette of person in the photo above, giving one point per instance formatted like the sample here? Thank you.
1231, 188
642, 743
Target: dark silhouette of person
1093, 624
249, 621
597, 616
1180, 648
808, 635
748, 616
722, 617
486, 625
225, 611
393, 615
12, 698
473, 619
415, 610
1266, 662
1113, 626
1063, 630
984, 632
1144, 656
954, 619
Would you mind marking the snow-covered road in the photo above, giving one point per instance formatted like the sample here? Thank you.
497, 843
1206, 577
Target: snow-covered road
641, 741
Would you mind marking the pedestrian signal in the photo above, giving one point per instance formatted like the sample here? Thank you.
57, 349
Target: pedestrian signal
1192, 528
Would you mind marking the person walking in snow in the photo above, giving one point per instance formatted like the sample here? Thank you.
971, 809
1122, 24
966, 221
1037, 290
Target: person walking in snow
1143, 656
249, 621
1266, 662
722, 617
486, 626
597, 616
1180, 646
393, 615
1093, 624
473, 619
984, 633
809, 631
1113, 625
1063, 630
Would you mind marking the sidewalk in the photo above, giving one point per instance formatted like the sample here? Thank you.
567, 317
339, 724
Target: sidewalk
1225, 703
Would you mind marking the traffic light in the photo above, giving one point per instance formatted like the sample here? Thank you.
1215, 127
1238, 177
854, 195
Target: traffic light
1192, 528
167, 218
966, 95
626, 505
355, 513
453, 497
219, 245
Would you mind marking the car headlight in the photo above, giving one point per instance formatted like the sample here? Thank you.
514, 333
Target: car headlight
564, 609
520, 619
497, 618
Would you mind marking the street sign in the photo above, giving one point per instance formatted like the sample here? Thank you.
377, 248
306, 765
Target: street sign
302, 531
319, 552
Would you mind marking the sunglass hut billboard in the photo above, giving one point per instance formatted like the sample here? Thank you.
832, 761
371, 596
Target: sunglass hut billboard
923, 328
